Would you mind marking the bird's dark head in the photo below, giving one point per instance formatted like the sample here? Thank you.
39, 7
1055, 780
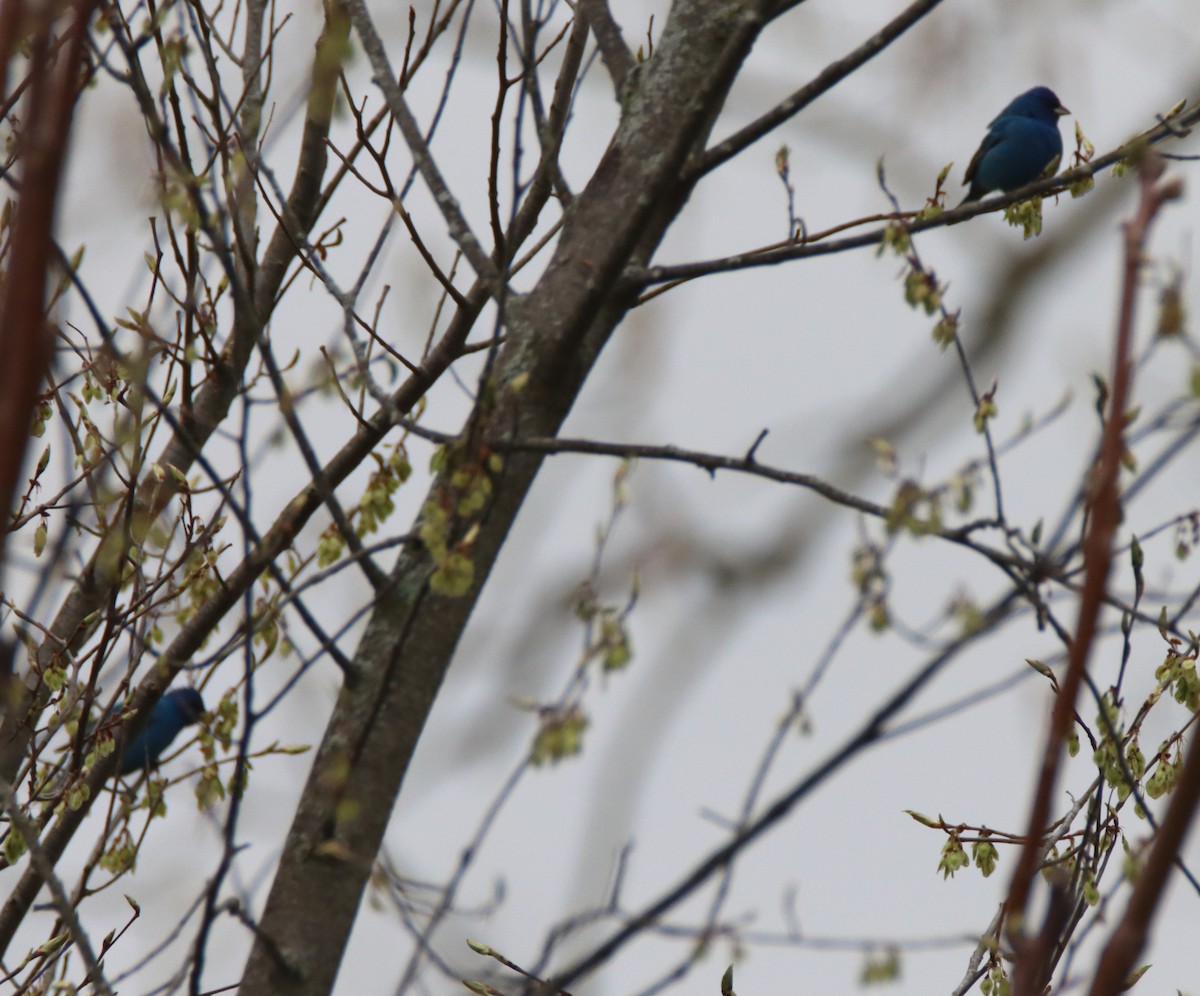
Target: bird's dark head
1040, 102
188, 702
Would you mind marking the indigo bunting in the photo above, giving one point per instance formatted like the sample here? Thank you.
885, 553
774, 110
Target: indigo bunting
175, 710
1021, 143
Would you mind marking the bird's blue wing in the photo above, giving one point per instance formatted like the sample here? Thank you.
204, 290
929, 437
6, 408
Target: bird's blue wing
990, 141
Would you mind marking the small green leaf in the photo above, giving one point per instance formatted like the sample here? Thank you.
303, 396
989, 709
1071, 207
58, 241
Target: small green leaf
453, 575
1026, 215
985, 412
560, 736
946, 331
14, 845
78, 794
953, 857
1082, 186
880, 968
985, 856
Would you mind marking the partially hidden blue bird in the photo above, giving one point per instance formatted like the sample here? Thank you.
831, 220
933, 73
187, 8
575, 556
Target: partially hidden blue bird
175, 710
1021, 144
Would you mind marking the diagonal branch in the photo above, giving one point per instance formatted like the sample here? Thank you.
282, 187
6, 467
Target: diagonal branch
554, 335
278, 538
867, 736
826, 80
805, 248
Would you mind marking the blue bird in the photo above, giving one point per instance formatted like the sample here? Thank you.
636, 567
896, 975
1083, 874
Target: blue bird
175, 710
1021, 143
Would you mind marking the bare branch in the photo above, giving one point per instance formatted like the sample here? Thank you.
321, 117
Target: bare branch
825, 81
618, 60
485, 268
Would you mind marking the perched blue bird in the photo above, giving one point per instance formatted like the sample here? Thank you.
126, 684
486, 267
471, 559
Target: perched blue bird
175, 710
1021, 143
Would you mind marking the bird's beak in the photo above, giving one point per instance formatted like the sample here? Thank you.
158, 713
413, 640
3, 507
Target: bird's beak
1060, 111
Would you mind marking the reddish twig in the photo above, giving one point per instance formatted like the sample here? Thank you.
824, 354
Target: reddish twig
1035, 953
26, 338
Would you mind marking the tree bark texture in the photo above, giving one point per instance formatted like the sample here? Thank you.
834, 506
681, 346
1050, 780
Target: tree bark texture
553, 336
